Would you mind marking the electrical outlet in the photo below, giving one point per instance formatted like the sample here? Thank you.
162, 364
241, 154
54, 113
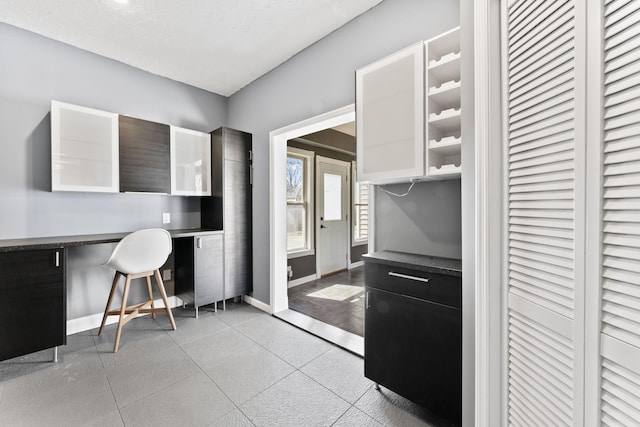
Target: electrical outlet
166, 274
166, 218
289, 272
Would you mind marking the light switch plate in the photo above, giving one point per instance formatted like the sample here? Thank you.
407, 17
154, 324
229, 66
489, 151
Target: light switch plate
166, 274
166, 218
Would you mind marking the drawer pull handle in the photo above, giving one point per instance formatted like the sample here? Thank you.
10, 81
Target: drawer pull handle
406, 276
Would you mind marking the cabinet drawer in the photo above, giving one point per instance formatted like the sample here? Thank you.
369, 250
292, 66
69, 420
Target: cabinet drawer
433, 287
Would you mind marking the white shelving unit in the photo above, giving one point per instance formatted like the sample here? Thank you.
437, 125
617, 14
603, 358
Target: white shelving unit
444, 114
84, 149
190, 162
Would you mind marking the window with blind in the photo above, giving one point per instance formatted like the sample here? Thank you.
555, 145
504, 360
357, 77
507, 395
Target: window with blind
360, 226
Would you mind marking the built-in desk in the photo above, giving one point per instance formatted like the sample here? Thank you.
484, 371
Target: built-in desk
33, 284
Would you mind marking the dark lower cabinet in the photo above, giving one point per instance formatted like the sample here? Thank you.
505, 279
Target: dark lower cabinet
199, 268
413, 336
32, 301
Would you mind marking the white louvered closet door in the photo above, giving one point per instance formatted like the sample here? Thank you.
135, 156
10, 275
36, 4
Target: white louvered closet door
544, 341
620, 281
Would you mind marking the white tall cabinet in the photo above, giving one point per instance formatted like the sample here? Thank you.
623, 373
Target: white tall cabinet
572, 179
408, 115
84, 149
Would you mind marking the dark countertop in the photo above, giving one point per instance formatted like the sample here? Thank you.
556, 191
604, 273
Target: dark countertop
8, 245
448, 266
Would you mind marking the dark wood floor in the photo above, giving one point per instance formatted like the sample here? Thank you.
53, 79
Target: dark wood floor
337, 300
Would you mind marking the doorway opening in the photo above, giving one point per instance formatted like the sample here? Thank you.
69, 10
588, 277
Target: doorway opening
301, 251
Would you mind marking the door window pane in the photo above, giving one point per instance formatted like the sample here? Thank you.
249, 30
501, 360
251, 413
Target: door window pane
332, 197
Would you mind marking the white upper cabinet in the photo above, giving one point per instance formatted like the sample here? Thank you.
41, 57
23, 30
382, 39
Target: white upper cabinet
84, 149
408, 115
390, 117
190, 162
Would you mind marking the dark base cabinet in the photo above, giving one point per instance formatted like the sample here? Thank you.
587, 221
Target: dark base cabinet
32, 301
199, 268
413, 336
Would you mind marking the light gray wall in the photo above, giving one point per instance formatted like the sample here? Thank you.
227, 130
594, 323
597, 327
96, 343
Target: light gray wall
321, 79
33, 71
426, 221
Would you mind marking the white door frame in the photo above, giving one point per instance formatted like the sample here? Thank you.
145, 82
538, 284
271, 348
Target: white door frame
278, 199
317, 213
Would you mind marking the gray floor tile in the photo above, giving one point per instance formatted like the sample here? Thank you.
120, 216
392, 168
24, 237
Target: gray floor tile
264, 329
216, 348
234, 418
86, 401
247, 374
391, 409
340, 372
297, 347
194, 401
33, 373
188, 328
356, 418
139, 377
238, 313
297, 400
142, 337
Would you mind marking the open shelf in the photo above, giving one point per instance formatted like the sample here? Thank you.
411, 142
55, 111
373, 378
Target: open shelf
445, 96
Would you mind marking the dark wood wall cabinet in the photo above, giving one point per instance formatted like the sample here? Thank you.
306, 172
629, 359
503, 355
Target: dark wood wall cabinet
413, 329
229, 207
32, 301
145, 162
199, 268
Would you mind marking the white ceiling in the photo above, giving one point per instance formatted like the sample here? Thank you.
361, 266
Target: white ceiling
217, 45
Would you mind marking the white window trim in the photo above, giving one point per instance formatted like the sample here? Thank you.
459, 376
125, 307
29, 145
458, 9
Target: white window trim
354, 241
310, 196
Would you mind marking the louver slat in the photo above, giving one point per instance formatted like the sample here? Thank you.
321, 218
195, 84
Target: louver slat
620, 306
541, 185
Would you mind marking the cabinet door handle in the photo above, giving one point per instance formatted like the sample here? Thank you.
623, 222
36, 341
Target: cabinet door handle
199, 243
406, 276
366, 300
57, 259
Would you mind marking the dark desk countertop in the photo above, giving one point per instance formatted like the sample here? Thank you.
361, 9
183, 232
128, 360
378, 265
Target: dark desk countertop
8, 245
448, 266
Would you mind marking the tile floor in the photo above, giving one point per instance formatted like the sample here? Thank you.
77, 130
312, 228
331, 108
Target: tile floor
345, 312
240, 367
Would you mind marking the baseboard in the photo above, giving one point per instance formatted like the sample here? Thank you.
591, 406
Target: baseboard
257, 304
93, 321
301, 280
356, 264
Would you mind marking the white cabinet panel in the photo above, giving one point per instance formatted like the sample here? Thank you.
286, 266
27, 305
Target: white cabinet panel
190, 162
390, 117
84, 149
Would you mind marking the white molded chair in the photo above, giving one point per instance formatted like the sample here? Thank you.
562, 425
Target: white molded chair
139, 254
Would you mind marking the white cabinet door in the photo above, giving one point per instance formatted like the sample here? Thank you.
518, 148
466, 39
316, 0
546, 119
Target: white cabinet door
190, 162
84, 149
390, 117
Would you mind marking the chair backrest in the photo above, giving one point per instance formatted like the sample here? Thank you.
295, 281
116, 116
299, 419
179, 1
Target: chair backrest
141, 251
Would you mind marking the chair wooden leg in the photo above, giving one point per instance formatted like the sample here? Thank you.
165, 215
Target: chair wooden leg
153, 309
163, 293
113, 291
125, 294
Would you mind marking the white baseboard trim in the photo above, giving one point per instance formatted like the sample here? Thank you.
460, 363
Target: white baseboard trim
93, 321
257, 304
301, 280
356, 264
